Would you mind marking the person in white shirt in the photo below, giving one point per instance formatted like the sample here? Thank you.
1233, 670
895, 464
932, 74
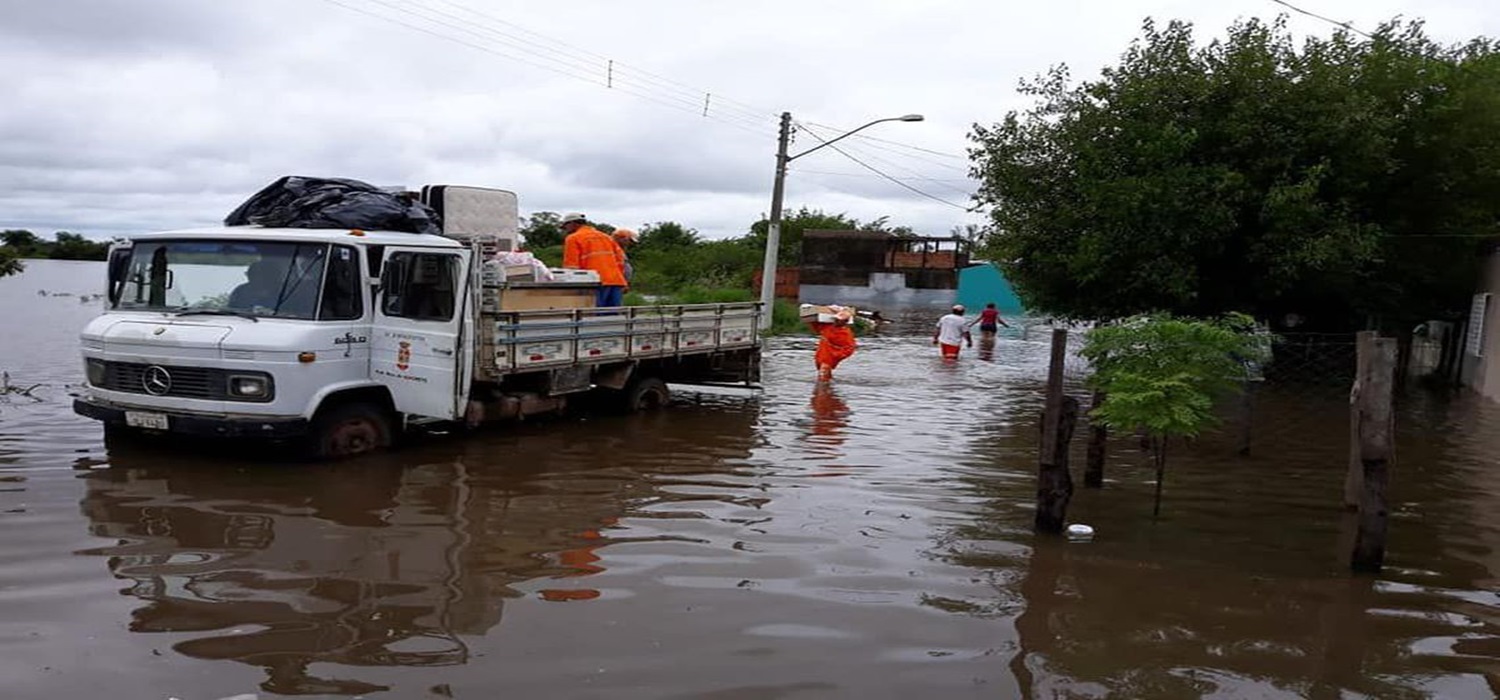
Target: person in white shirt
952, 331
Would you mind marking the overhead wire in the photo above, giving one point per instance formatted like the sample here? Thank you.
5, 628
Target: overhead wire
889, 147
561, 58
614, 70
544, 52
883, 174
547, 42
830, 173
1346, 25
897, 166
560, 67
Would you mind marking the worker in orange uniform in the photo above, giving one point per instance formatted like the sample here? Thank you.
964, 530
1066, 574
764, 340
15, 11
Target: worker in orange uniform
626, 238
836, 343
588, 248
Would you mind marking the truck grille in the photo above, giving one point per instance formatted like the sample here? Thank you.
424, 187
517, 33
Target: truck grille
184, 382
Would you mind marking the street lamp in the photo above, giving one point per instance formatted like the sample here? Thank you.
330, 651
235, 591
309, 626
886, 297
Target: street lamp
773, 231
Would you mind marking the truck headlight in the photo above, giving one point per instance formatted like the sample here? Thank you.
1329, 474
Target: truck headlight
94, 370
252, 387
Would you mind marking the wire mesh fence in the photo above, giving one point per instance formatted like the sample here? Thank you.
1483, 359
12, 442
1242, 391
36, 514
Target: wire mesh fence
1301, 393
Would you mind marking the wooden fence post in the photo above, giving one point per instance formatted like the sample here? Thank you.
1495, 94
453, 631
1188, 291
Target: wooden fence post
1376, 427
1093, 470
1364, 347
1054, 485
1247, 416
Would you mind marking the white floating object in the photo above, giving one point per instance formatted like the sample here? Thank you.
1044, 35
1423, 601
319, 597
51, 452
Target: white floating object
1080, 533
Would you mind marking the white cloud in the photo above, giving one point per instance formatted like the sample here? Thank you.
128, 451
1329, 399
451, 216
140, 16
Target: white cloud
124, 116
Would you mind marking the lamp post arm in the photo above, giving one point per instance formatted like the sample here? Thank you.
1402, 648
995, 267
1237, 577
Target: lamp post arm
841, 137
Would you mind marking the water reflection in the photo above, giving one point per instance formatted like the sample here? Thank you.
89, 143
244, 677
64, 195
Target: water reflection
830, 415
1171, 610
987, 347
391, 561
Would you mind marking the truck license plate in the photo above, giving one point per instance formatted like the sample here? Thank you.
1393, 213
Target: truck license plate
138, 419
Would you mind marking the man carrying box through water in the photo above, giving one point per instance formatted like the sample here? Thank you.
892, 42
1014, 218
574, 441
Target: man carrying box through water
588, 248
835, 338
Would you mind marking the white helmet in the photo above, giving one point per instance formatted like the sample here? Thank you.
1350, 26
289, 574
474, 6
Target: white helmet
572, 216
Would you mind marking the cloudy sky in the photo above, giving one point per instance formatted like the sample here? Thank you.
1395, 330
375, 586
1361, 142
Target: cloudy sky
129, 115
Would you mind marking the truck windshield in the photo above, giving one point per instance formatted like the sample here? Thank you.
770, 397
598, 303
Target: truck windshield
257, 278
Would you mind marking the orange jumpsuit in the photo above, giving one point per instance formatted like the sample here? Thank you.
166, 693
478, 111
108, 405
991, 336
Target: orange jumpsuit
837, 344
589, 248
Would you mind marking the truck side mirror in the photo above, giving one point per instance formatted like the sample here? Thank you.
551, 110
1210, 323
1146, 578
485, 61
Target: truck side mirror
119, 259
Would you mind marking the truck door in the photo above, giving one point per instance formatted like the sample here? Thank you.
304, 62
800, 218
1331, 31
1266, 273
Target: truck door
418, 348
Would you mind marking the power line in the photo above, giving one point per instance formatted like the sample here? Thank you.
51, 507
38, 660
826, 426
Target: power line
904, 169
551, 43
877, 171
887, 149
805, 171
560, 67
541, 51
876, 139
614, 70
563, 59
1346, 25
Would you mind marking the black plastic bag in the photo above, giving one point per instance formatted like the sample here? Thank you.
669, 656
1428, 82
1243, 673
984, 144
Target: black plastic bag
313, 202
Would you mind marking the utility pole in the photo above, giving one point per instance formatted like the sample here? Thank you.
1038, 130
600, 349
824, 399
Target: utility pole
773, 229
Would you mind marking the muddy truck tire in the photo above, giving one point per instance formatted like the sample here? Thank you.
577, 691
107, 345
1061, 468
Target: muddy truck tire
349, 430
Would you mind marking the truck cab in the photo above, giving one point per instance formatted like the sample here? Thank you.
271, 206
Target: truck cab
235, 332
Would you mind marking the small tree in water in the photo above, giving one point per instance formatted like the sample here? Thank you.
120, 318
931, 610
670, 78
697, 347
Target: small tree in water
1161, 374
9, 264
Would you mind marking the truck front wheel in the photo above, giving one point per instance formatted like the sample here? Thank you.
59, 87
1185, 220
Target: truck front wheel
348, 430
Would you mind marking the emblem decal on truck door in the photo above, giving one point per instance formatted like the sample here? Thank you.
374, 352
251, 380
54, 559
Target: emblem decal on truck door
403, 356
348, 340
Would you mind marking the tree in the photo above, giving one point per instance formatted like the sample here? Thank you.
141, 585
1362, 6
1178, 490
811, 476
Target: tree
1339, 179
883, 225
9, 263
72, 246
19, 239
542, 229
20, 243
792, 227
1161, 374
667, 234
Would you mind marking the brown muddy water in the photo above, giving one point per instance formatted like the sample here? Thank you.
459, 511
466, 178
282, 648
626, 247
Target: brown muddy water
871, 541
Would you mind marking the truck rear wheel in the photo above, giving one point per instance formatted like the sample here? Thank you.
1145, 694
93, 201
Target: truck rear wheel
646, 394
349, 430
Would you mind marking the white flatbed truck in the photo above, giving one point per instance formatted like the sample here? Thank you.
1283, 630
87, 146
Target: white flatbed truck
355, 335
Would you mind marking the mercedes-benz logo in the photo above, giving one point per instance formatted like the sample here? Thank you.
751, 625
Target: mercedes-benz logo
156, 380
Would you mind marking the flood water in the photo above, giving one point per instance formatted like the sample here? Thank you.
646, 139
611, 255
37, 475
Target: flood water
870, 540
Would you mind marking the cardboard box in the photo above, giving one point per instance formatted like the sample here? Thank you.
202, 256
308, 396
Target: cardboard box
544, 297
824, 314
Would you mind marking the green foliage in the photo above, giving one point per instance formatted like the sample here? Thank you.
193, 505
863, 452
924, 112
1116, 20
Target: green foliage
1335, 179
551, 256
793, 225
1163, 373
786, 318
9, 263
20, 243
542, 230
667, 235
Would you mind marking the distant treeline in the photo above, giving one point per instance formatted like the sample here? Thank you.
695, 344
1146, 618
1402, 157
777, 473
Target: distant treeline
20, 243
